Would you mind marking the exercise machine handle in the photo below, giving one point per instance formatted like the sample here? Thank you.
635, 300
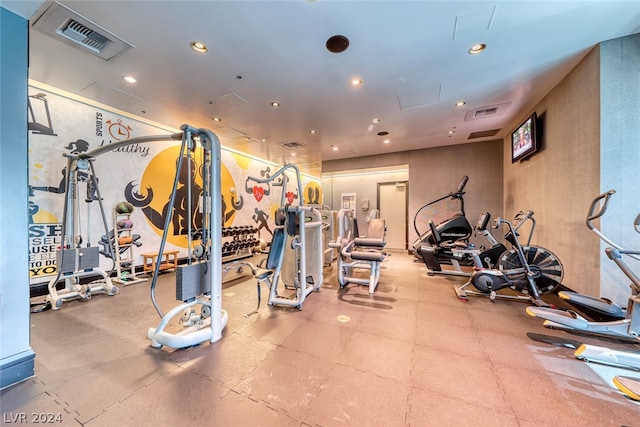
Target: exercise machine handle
484, 220
463, 183
599, 207
454, 195
596, 210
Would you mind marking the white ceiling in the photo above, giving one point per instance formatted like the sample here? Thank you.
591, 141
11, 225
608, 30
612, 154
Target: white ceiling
411, 55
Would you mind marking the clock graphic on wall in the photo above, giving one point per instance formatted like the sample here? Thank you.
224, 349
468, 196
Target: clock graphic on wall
118, 130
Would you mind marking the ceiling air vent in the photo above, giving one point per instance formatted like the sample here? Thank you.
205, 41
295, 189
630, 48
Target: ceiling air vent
85, 36
483, 134
62, 23
292, 145
486, 112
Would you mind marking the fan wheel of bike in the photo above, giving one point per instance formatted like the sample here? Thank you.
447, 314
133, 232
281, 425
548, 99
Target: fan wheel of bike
546, 268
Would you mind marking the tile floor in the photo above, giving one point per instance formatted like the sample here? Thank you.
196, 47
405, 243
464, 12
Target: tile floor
409, 355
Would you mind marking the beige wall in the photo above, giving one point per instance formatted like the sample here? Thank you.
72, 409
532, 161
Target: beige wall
434, 172
363, 184
559, 182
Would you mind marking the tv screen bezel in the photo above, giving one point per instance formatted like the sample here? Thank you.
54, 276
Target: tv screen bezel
533, 148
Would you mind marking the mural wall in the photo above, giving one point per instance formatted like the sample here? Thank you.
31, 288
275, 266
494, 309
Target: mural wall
141, 174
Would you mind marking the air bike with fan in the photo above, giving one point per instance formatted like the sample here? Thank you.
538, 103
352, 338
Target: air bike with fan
530, 270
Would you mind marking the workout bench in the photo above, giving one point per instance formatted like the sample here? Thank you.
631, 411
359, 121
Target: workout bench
169, 260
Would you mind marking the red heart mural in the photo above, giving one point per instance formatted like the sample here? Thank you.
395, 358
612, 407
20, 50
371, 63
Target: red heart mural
258, 193
290, 196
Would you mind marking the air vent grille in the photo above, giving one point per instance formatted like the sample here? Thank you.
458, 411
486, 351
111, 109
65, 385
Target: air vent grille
67, 26
483, 134
486, 112
86, 36
292, 145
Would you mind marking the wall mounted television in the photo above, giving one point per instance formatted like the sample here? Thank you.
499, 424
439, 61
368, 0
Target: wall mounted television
524, 139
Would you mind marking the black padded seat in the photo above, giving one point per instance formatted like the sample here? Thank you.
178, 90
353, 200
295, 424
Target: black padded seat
377, 256
369, 241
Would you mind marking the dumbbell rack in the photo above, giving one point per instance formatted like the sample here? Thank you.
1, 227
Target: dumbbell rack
238, 242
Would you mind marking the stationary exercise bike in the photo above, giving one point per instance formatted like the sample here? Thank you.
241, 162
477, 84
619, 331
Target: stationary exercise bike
529, 270
462, 251
622, 323
448, 241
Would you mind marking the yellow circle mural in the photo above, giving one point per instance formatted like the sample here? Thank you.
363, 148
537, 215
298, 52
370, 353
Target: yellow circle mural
312, 194
159, 177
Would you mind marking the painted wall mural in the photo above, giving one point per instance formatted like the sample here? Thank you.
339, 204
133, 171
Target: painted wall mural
141, 174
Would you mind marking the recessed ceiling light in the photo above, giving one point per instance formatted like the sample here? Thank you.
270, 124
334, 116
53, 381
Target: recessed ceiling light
477, 48
386, 141
199, 47
334, 148
460, 104
130, 79
275, 104
216, 119
293, 154
451, 132
355, 82
375, 121
263, 140
313, 131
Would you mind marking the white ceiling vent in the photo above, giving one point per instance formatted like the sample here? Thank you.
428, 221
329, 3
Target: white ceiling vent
486, 112
292, 145
60, 22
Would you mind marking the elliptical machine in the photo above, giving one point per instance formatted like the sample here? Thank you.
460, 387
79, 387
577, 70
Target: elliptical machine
448, 241
529, 270
623, 323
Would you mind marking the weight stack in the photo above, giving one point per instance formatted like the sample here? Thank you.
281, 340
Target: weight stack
193, 280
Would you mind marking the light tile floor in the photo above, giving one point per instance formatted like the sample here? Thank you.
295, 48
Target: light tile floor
411, 354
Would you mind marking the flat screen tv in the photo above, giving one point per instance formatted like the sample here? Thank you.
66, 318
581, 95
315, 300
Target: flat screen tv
524, 139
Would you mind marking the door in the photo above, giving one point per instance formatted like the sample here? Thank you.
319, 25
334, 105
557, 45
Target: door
392, 203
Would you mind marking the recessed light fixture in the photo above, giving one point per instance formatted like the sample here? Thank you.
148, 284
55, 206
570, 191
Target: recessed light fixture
216, 119
275, 104
199, 47
334, 148
477, 48
460, 104
375, 121
263, 140
293, 154
130, 79
386, 141
451, 132
313, 131
355, 82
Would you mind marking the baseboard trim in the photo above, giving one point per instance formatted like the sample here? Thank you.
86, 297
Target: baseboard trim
17, 368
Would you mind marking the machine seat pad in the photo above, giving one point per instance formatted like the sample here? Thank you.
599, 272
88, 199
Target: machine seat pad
262, 273
370, 242
377, 256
